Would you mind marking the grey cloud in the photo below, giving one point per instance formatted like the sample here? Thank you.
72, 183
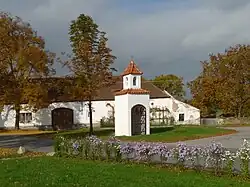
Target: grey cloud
165, 40
227, 5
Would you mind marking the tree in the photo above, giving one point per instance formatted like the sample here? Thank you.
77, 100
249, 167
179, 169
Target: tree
23, 62
224, 84
91, 60
172, 84
203, 95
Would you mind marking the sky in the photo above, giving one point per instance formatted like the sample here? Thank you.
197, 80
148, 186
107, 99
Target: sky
163, 36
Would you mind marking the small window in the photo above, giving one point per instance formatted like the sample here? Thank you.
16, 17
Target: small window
181, 117
134, 81
126, 81
25, 117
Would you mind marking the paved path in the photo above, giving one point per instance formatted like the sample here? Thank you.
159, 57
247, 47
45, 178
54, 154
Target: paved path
30, 142
232, 141
34, 143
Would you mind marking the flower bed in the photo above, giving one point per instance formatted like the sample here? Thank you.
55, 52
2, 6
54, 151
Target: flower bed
213, 156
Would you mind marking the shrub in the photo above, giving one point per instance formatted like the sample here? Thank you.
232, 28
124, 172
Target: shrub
107, 122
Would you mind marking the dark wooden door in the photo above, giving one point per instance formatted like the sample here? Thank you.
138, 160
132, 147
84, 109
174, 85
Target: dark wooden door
62, 118
138, 120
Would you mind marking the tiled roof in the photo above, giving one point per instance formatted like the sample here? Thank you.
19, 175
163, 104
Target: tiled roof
132, 69
108, 93
56, 92
132, 91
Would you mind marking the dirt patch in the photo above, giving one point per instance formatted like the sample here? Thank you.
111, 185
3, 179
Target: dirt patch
23, 132
12, 152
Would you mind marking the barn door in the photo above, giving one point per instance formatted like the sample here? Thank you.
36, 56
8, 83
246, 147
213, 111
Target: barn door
62, 118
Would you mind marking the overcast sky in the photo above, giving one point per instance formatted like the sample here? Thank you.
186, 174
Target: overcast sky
164, 36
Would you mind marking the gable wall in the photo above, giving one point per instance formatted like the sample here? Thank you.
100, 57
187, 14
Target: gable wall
191, 114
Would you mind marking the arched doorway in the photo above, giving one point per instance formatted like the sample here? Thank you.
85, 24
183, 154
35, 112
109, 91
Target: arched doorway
138, 120
62, 118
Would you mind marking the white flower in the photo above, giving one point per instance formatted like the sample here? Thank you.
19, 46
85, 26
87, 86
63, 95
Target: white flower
244, 152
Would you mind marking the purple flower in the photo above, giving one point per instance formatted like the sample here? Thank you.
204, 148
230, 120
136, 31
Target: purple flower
75, 145
215, 149
159, 149
196, 151
182, 152
126, 148
94, 140
141, 150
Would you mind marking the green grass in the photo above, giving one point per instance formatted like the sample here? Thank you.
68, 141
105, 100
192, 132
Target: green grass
49, 171
181, 133
77, 133
85, 132
159, 134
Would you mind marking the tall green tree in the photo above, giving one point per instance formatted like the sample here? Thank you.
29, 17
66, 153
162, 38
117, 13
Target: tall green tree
224, 83
172, 84
23, 62
91, 60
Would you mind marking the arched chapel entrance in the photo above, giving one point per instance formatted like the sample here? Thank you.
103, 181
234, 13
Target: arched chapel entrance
138, 120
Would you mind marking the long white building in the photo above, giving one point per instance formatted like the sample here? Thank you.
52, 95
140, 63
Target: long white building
64, 111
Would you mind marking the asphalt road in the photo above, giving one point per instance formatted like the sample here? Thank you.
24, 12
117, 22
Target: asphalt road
30, 142
232, 141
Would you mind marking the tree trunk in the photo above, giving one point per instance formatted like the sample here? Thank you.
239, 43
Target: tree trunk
90, 118
17, 120
239, 112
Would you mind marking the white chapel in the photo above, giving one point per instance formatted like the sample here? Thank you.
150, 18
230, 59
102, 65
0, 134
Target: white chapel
132, 104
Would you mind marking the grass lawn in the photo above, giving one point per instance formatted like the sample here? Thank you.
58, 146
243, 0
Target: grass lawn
179, 134
51, 171
160, 134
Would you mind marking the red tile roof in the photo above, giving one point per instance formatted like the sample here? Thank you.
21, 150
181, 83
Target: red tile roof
132, 69
134, 91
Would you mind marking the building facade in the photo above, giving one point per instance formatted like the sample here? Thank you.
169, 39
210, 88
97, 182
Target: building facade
63, 111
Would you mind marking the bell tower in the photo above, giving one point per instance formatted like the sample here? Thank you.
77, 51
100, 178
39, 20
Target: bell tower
132, 77
132, 104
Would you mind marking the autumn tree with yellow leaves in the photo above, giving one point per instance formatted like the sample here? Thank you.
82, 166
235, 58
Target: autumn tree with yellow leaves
224, 83
24, 63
